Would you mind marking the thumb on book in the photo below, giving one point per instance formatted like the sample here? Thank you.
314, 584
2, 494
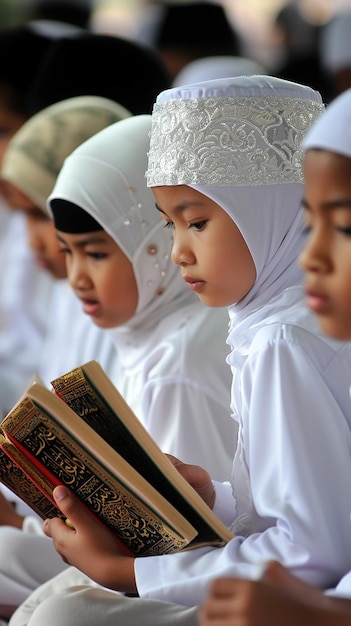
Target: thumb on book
65, 501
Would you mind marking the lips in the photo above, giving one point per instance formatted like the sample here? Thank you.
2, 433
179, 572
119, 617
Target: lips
194, 284
90, 307
316, 301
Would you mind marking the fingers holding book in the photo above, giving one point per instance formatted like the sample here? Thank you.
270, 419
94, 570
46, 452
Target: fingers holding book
86, 543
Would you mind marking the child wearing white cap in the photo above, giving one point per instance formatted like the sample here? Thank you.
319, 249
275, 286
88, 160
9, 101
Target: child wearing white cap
326, 259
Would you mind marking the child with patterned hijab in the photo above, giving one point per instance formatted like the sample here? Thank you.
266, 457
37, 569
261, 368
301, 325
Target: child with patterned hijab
326, 260
31, 163
225, 166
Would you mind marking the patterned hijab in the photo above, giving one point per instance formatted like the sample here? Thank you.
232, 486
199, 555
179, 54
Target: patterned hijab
36, 153
105, 177
239, 142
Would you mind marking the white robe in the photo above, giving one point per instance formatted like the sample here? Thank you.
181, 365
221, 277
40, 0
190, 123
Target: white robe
290, 481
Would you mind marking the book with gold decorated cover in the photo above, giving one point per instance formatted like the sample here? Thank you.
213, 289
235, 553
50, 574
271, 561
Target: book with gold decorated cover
86, 436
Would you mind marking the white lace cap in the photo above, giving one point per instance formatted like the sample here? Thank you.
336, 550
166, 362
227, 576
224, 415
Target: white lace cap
242, 131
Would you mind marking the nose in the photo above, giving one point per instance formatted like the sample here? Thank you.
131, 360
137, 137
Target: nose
182, 253
78, 278
315, 256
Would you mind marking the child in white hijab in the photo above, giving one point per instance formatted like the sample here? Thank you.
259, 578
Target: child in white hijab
31, 163
326, 259
225, 166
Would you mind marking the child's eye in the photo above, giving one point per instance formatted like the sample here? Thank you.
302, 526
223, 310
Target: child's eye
65, 250
97, 255
169, 225
198, 225
345, 231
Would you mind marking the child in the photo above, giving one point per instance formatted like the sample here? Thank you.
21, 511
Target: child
326, 260
225, 168
30, 166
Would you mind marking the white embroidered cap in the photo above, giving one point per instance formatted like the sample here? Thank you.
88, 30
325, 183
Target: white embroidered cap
241, 131
333, 130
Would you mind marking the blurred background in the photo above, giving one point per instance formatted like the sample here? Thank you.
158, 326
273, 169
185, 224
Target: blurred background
256, 20
308, 41
263, 24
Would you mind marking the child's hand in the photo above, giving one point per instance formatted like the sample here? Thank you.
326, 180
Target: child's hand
89, 545
278, 598
198, 478
234, 602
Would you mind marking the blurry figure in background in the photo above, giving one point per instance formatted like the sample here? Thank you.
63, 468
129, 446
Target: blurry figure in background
183, 32
24, 291
100, 65
30, 167
208, 68
75, 12
298, 35
299, 58
335, 51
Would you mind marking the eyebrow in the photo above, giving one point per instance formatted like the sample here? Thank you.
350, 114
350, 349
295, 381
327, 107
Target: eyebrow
182, 206
88, 240
331, 205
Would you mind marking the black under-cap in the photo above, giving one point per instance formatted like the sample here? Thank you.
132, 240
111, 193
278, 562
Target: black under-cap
71, 218
101, 65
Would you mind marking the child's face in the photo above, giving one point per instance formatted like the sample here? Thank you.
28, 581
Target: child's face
40, 231
101, 276
326, 258
207, 245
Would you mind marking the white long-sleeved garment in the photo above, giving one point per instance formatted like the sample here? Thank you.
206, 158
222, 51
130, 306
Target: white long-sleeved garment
292, 500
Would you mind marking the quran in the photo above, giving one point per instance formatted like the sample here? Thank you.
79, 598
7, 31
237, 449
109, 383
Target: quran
83, 434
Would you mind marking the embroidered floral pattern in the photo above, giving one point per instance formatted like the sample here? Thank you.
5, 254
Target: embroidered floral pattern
229, 141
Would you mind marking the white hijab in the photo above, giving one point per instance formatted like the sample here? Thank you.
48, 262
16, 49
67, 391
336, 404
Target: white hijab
105, 176
332, 131
239, 142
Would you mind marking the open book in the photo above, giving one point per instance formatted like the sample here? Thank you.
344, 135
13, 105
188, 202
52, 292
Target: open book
87, 437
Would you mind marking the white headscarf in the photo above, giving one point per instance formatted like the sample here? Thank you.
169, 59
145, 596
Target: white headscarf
332, 131
105, 176
35, 154
239, 142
